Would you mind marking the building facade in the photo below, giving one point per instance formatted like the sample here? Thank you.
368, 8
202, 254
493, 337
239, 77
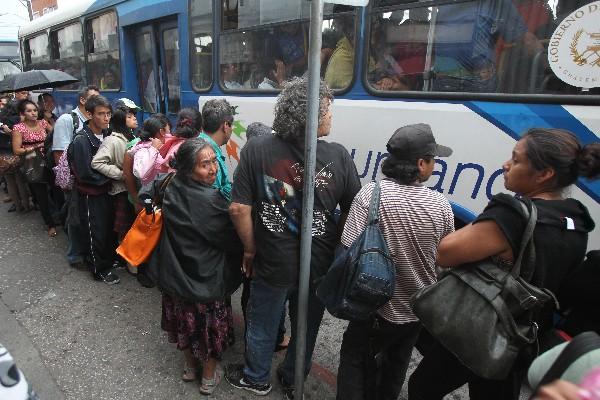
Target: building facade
42, 7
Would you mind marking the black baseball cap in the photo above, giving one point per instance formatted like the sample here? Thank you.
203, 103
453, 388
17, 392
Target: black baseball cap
415, 141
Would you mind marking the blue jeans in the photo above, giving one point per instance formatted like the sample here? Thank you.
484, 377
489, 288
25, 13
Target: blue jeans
265, 306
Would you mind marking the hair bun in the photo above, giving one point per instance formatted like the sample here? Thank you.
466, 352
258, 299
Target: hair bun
588, 161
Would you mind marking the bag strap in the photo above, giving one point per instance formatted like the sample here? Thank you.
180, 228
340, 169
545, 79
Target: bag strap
75, 123
577, 347
160, 193
374, 206
527, 239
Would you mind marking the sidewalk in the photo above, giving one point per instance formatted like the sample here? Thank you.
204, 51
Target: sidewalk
75, 338
14, 337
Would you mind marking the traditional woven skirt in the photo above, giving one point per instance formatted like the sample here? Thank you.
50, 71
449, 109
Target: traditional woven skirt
205, 329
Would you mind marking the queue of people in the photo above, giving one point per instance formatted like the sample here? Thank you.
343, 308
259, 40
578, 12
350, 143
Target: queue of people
218, 232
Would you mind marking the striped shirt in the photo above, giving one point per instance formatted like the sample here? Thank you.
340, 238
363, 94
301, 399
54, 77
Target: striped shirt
413, 220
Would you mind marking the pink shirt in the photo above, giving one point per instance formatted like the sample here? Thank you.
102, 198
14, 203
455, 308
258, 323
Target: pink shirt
168, 151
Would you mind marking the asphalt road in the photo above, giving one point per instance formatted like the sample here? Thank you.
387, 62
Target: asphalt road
75, 338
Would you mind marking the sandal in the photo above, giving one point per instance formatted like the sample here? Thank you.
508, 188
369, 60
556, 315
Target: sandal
208, 386
189, 373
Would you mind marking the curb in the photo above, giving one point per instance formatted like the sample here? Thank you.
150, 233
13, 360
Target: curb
14, 337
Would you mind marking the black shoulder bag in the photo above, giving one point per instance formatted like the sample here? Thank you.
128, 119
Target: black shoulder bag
483, 314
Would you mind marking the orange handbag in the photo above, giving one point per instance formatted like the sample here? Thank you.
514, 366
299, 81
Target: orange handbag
143, 236
141, 239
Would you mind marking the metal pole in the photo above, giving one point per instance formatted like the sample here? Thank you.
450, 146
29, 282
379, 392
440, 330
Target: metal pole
310, 156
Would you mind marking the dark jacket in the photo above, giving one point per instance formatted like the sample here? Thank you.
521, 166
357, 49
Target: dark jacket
10, 114
580, 300
199, 254
80, 153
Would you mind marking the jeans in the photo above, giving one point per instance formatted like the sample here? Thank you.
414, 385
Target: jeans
440, 373
359, 376
244, 300
265, 306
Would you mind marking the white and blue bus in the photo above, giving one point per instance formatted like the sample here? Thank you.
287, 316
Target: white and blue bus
480, 72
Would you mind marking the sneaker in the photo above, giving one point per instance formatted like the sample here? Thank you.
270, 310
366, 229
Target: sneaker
110, 278
235, 376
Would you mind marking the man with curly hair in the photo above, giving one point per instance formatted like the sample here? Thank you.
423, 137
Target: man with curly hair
269, 182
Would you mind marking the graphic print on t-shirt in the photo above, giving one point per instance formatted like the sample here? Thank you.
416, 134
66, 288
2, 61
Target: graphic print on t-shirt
282, 205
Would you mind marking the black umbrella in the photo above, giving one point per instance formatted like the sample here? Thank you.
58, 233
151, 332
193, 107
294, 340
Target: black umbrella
36, 79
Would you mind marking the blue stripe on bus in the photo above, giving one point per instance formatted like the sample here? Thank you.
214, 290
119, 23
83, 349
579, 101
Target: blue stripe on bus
515, 119
462, 213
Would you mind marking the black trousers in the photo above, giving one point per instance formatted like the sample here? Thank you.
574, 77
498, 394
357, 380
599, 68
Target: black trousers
97, 220
440, 373
359, 375
39, 191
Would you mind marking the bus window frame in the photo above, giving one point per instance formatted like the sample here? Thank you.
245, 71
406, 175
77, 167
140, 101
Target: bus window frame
25, 44
356, 14
53, 31
86, 21
191, 47
568, 99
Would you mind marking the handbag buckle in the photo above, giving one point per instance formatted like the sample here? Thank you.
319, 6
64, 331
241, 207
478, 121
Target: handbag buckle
529, 302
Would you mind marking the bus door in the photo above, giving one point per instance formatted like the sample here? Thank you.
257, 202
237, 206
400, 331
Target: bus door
157, 57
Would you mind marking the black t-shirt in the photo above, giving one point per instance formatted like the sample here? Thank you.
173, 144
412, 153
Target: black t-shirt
269, 177
560, 236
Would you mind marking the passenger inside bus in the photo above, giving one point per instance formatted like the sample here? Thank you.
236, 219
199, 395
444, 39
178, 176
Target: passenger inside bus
291, 47
340, 68
329, 40
464, 59
385, 73
230, 76
268, 75
468, 50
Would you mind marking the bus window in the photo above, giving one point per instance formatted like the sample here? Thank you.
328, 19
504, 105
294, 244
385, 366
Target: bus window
36, 53
7, 68
145, 52
263, 57
67, 46
239, 14
171, 58
103, 67
201, 42
481, 46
